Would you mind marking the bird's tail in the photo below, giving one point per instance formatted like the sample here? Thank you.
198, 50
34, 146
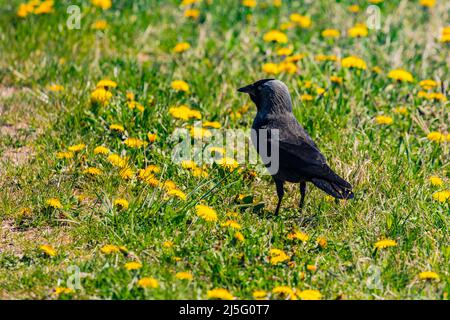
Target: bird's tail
338, 188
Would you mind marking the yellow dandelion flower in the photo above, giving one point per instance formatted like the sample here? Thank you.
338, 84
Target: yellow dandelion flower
283, 290
63, 290
249, 3
278, 256
300, 20
177, 193
275, 36
400, 110
434, 96
101, 150
270, 68
428, 84
135, 105
331, 33
184, 112
358, 31
288, 67
25, 212
442, 196
284, 52
228, 163
106, 83
103, 4
436, 181
110, 248
44, 7
121, 203
181, 47
400, 75
55, 88
239, 236
48, 250
354, 8
169, 185
199, 172
259, 294
133, 265
101, 96
298, 235
322, 242
382, 244
180, 85
445, 38
148, 283
130, 96
206, 213
100, 25
126, 173
311, 267
309, 295
188, 164
200, 133
436, 136
354, 62
320, 91
116, 127
54, 203
148, 172
167, 244
92, 171
427, 3
135, 143
25, 9
184, 275
322, 57
152, 137
383, 120
222, 294
77, 147
428, 275
212, 124
295, 58
185, 3
232, 224
192, 13
336, 79
64, 155
117, 160
306, 97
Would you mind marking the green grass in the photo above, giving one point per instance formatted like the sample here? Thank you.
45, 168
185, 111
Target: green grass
389, 166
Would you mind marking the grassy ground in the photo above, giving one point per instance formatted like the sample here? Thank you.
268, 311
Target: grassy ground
389, 165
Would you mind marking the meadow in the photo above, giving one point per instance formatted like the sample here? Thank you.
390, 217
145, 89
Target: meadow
92, 205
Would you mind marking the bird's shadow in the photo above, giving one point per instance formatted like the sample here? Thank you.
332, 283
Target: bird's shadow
293, 216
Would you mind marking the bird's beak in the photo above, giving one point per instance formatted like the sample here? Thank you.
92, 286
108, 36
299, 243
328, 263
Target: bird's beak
246, 89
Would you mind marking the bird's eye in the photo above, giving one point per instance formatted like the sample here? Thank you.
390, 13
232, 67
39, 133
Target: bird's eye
259, 88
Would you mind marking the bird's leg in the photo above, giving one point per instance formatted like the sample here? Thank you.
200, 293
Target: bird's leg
302, 194
280, 193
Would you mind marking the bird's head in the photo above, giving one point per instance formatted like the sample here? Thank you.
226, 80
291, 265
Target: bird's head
269, 95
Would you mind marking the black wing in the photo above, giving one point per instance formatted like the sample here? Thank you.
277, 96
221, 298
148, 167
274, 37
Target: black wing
300, 156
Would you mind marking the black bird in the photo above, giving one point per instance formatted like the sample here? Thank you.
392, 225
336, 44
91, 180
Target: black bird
300, 160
